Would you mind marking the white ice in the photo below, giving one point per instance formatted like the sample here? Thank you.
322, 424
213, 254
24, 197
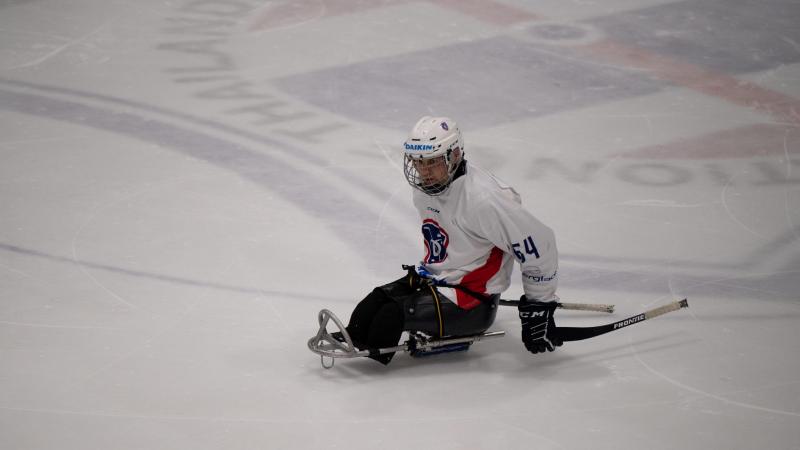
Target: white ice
184, 184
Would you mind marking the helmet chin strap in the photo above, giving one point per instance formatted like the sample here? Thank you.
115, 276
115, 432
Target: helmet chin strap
453, 158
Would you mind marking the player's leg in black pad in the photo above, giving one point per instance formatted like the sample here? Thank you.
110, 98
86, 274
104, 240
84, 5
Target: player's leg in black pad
385, 330
461, 322
363, 315
423, 315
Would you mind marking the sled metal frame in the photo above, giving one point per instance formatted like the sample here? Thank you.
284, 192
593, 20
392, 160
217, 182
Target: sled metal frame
329, 348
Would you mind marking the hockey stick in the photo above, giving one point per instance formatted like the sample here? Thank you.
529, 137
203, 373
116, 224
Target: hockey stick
597, 307
485, 298
580, 333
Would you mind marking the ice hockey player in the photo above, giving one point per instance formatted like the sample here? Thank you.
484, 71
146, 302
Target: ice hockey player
474, 227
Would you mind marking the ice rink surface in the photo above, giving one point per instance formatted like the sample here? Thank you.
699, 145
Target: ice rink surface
184, 184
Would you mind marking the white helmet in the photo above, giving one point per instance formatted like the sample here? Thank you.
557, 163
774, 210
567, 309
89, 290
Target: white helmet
433, 141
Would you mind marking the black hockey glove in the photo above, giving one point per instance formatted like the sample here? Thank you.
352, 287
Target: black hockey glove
539, 331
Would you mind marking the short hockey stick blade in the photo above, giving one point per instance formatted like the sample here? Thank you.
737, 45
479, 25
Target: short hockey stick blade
597, 307
580, 333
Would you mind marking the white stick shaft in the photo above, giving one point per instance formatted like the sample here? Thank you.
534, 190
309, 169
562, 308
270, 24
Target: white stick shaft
588, 307
597, 307
669, 307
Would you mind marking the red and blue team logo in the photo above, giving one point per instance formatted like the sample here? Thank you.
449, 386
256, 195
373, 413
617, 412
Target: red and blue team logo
436, 241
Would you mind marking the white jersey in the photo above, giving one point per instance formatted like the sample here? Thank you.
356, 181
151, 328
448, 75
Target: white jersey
473, 233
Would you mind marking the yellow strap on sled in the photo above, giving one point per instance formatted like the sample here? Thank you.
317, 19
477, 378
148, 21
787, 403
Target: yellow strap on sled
438, 310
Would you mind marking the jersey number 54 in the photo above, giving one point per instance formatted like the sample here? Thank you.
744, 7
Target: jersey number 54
530, 249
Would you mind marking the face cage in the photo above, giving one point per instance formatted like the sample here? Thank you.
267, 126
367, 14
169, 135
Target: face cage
416, 180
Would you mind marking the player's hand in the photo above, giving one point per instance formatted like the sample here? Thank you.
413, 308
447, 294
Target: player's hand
420, 277
539, 333
423, 272
416, 280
